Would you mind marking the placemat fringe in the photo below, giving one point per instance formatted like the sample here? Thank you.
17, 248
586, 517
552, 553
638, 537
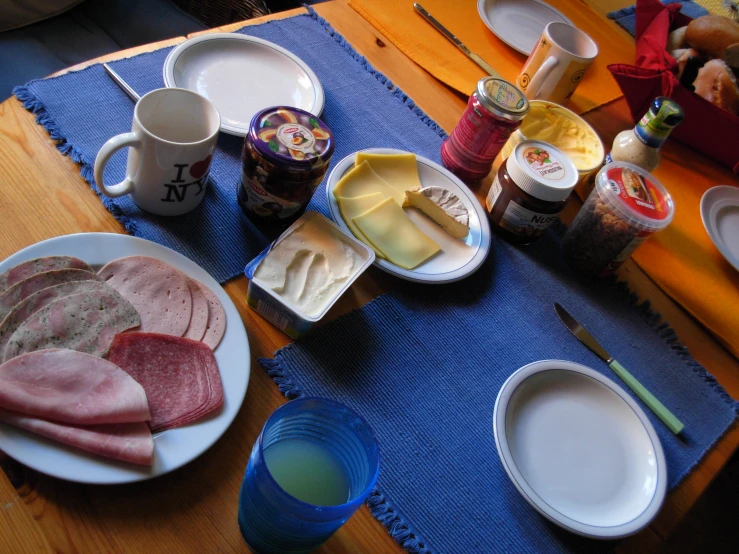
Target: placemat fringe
34, 105
397, 92
398, 528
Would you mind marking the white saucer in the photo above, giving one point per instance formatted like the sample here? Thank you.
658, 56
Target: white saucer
518, 23
458, 258
242, 75
579, 449
720, 215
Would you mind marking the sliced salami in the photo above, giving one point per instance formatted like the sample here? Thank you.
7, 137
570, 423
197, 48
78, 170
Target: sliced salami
180, 376
39, 265
71, 387
86, 322
30, 305
200, 310
216, 319
39, 281
158, 291
127, 442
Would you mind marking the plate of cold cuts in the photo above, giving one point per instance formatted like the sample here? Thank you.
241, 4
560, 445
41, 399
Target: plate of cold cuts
122, 359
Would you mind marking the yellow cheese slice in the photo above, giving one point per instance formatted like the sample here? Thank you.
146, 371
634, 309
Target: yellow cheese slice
391, 231
362, 180
400, 171
353, 207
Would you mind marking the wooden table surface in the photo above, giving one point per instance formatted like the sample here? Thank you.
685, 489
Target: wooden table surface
193, 509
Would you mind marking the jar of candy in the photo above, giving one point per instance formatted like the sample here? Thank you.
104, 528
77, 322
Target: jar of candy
493, 112
285, 157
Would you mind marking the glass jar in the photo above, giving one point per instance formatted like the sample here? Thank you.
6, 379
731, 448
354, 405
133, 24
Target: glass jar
493, 112
529, 191
285, 157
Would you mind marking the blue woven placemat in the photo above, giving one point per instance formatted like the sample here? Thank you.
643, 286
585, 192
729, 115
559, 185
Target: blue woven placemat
424, 365
363, 108
626, 17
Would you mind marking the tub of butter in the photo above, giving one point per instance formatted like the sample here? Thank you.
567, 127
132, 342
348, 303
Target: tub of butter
552, 123
297, 279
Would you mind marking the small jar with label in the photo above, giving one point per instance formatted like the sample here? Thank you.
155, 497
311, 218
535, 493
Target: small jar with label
626, 206
529, 191
285, 157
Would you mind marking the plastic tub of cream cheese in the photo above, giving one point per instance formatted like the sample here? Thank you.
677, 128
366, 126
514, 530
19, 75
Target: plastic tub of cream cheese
297, 278
552, 123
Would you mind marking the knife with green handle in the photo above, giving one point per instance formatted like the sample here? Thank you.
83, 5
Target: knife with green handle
659, 409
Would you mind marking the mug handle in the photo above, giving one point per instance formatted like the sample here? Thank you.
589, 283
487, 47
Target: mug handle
106, 152
532, 91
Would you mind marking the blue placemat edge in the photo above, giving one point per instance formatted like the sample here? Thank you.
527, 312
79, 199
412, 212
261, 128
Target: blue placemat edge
383, 510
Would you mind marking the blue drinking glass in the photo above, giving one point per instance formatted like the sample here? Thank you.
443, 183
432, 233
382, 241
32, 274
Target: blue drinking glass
314, 463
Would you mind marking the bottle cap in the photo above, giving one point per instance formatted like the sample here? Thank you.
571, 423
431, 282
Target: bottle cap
542, 170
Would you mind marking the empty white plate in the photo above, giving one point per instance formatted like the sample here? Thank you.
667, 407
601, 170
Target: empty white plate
518, 23
720, 215
458, 258
579, 449
242, 75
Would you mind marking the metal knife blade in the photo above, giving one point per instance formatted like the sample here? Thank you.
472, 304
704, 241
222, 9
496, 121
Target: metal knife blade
581, 334
454, 40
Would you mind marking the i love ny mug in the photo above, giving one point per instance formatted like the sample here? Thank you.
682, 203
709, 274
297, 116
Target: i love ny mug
557, 63
171, 143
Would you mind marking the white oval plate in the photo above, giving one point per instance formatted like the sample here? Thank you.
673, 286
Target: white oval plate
579, 449
720, 215
458, 258
172, 448
518, 23
242, 75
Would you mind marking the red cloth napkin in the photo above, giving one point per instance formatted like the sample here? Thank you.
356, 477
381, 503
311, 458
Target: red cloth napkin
706, 128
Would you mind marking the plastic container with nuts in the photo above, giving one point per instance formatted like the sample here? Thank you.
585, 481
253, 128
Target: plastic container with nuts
626, 206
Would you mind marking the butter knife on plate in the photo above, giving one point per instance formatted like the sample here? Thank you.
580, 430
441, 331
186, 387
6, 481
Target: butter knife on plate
659, 409
486, 67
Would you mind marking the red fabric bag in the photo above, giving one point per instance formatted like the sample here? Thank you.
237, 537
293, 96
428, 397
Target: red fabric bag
706, 128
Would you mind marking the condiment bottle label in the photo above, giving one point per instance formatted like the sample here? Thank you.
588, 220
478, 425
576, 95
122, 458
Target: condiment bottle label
517, 219
638, 193
254, 198
543, 164
296, 137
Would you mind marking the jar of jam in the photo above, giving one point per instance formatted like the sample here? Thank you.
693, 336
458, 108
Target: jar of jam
285, 157
529, 191
493, 112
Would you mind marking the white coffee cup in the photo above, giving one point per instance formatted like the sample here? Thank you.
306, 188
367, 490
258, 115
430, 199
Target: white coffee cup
557, 63
172, 138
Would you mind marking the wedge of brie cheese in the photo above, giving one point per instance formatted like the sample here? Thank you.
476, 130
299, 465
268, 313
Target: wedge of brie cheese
443, 206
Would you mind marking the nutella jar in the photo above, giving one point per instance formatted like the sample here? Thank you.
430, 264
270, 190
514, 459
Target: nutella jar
285, 157
529, 191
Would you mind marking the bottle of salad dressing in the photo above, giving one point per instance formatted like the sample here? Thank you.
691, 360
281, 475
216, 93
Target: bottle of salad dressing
641, 144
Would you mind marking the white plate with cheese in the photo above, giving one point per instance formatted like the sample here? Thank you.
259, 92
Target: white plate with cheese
457, 258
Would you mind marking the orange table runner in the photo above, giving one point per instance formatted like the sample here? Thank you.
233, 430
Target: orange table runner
407, 30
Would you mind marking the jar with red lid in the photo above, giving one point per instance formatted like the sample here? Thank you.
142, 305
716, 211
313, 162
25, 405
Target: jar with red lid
285, 157
493, 112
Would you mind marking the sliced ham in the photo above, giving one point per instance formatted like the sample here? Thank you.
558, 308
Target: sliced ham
85, 321
200, 310
27, 287
128, 442
180, 376
30, 305
157, 290
39, 265
216, 319
71, 387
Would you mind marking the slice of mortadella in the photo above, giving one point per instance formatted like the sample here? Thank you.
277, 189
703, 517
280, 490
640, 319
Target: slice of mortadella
72, 388
200, 311
127, 442
158, 291
30, 305
39, 265
86, 322
26, 287
216, 319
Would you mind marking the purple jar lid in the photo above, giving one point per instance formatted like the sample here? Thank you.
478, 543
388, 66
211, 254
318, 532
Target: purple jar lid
291, 137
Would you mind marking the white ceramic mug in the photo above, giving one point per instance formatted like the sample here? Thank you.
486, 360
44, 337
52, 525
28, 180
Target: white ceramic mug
172, 138
557, 63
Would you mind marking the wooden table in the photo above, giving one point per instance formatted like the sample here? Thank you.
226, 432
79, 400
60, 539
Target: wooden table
193, 509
